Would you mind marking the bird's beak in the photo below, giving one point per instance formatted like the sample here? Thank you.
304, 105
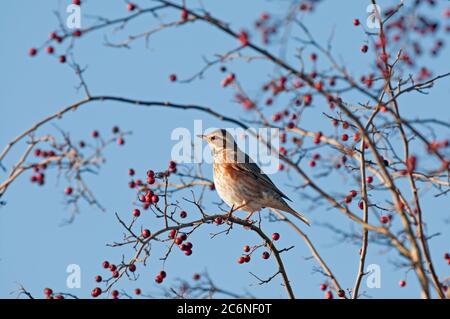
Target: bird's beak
201, 136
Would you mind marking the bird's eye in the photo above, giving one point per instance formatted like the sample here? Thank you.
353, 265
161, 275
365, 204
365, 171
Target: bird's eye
213, 138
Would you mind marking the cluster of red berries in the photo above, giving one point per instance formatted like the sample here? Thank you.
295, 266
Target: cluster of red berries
352, 194
48, 294
329, 293
447, 257
181, 242
159, 278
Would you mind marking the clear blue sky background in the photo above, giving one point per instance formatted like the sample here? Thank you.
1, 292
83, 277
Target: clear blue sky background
35, 250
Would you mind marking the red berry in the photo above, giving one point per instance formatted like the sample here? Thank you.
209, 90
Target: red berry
76, 33
132, 267
218, 221
49, 49
76, 2
312, 163
243, 38
98, 278
172, 233
115, 274
247, 258
275, 236
96, 292
353, 193
145, 233
112, 267
155, 199
446, 256
136, 212
183, 214
68, 190
105, 264
183, 236
355, 22
172, 78
48, 292
196, 276
323, 287
150, 173
188, 252
95, 134
120, 141
131, 172
184, 15
114, 294
341, 293
246, 248
32, 52
265, 255
344, 137
159, 279
178, 240
402, 283
137, 291
150, 180
163, 274
329, 295
369, 179
364, 48
241, 260
384, 219
131, 6
62, 59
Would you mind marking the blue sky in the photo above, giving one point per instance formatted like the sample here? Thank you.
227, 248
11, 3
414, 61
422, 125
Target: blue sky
35, 249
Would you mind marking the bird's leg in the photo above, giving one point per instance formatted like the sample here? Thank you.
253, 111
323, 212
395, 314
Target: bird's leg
249, 215
232, 210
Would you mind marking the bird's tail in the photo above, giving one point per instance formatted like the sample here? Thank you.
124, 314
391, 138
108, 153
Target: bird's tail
296, 214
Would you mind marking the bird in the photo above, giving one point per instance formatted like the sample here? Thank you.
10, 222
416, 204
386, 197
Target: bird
239, 181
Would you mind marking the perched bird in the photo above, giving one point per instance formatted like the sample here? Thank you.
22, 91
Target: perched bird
239, 181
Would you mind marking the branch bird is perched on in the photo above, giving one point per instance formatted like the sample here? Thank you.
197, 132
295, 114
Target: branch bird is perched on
239, 182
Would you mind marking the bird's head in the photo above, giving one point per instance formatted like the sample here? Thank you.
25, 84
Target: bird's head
219, 140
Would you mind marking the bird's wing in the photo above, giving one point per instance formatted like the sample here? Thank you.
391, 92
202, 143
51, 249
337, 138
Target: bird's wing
252, 169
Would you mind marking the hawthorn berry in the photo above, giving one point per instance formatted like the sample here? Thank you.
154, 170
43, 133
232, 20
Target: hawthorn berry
183, 214
356, 22
131, 172
364, 48
172, 233
115, 294
329, 295
76, 33
341, 293
136, 212
275, 236
98, 278
163, 274
172, 78
265, 255
115, 274
120, 141
241, 260
62, 59
184, 15
112, 267
155, 199
158, 279
105, 264
218, 220
132, 267
76, 2
95, 134
48, 292
323, 287
96, 292
137, 291
68, 190
402, 283
49, 49
32, 52
131, 6
195, 276
188, 252
243, 38
384, 219
369, 179
145, 233
344, 137
246, 248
